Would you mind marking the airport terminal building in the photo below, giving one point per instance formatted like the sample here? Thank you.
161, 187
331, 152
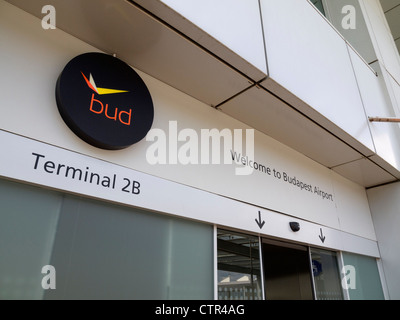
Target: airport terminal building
200, 149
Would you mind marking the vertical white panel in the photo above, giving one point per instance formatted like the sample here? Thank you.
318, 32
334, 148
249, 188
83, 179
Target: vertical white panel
385, 206
382, 37
352, 206
377, 102
234, 23
395, 86
308, 57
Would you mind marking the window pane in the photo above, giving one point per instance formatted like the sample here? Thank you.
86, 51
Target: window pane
365, 284
105, 251
326, 275
239, 276
348, 19
28, 220
319, 5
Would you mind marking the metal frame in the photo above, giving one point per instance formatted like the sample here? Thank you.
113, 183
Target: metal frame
340, 261
383, 279
215, 263
312, 273
261, 267
227, 246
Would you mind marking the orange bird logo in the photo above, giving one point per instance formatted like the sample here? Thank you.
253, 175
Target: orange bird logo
92, 85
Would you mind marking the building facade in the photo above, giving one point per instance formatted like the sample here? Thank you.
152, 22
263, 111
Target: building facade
252, 171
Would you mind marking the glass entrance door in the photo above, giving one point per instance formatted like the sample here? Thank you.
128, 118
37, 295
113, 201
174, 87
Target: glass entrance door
287, 273
326, 275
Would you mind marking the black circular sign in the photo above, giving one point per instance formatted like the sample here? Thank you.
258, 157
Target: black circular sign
104, 101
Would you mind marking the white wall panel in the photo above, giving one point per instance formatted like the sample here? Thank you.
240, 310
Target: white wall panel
310, 59
377, 103
385, 207
382, 37
395, 86
234, 23
353, 209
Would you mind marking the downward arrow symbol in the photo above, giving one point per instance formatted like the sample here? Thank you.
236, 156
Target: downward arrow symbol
322, 237
259, 222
